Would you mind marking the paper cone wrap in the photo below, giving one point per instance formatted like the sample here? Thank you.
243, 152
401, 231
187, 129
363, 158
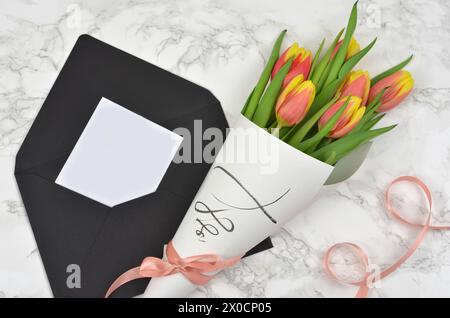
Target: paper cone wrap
256, 184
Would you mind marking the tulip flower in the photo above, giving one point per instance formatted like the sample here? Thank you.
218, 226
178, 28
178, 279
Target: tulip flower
353, 48
349, 118
301, 65
398, 85
356, 84
292, 51
294, 101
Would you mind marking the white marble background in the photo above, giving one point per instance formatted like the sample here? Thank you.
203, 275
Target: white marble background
222, 45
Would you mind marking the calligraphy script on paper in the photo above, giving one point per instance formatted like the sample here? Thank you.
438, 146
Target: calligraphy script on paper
211, 222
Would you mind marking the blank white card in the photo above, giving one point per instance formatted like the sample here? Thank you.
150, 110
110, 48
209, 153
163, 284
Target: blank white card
119, 156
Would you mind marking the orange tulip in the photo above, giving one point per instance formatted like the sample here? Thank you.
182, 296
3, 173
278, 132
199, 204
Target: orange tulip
398, 85
294, 101
353, 48
350, 117
356, 84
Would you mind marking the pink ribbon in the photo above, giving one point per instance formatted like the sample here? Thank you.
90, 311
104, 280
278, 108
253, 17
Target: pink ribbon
194, 268
359, 252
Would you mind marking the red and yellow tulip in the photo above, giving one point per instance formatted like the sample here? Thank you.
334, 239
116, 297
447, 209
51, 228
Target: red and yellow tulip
292, 51
398, 85
356, 84
300, 66
294, 101
349, 118
353, 48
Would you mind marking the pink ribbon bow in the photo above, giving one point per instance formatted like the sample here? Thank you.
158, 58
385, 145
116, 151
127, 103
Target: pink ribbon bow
194, 268
363, 284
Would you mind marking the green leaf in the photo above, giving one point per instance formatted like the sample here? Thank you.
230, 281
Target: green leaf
322, 79
273, 124
311, 143
291, 131
298, 136
324, 142
285, 130
325, 60
325, 95
339, 58
371, 134
371, 108
351, 62
246, 102
331, 160
359, 126
347, 143
373, 122
368, 115
390, 71
265, 76
377, 100
316, 58
267, 105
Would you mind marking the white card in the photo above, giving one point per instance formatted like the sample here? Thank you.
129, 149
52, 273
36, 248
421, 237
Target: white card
119, 156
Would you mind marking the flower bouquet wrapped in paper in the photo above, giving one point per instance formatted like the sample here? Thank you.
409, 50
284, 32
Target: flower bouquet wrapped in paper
308, 122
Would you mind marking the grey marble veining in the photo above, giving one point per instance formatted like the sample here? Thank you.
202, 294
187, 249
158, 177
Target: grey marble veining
223, 46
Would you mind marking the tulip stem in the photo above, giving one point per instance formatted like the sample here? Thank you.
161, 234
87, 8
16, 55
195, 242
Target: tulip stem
324, 142
274, 124
275, 131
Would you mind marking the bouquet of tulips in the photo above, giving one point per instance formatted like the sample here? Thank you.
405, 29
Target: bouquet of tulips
314, 117
321, 106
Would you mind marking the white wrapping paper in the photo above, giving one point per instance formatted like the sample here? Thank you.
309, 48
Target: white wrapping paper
256, 184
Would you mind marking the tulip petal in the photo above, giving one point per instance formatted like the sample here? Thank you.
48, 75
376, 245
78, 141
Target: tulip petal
295, 137
301, 65
384, 83
354, 120
312, 142
353, 103
398, 85
391, 71
288, 89
357, 84
291, 52
296, 104
391, 104
353, 48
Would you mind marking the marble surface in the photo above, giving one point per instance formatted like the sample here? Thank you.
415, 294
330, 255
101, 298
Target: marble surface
222, 45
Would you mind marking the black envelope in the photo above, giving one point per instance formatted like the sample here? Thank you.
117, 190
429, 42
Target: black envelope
72, 229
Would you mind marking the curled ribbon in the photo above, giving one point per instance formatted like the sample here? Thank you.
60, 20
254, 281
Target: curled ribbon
359, 252
194, 268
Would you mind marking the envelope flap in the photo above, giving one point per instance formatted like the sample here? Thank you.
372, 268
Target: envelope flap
70, 226
94, 70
